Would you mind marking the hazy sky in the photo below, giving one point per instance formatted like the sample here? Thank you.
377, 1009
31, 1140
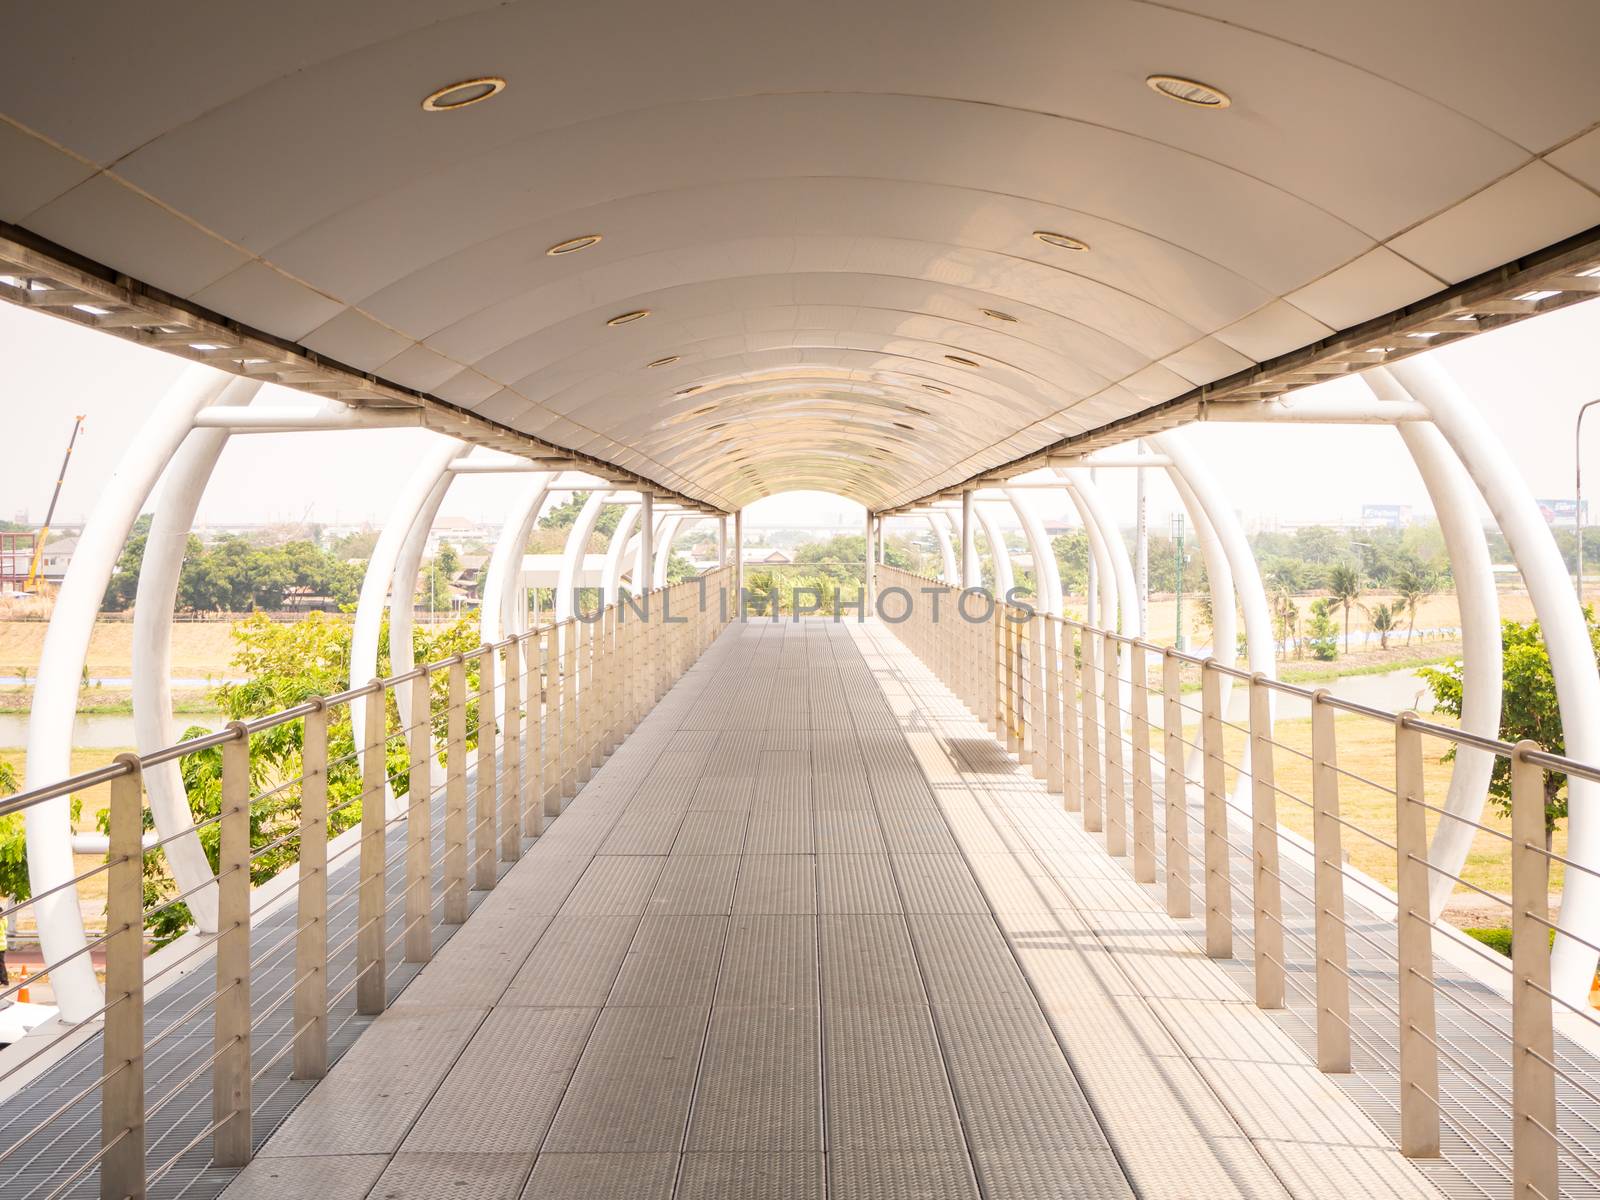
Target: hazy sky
1529, 380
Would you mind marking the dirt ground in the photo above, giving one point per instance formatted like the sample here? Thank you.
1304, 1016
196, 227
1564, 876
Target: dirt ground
200, 649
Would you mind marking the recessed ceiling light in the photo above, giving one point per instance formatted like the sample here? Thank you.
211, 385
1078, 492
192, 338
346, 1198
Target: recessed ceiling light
1188, 91
994, 314
628, 318
934, 387
663, 362
691, 389
1059, 240
959, 360
459, 95
573, 245
903, 425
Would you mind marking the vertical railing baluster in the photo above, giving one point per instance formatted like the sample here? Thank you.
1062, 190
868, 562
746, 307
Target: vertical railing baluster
419, 823
1175, 787
1144, 824
1050, 698
455, 793
1333, 963
1089, 682
1419, 1056
1219, 881
372, 983
1071, 740
230, 1073
530, 800
569, 707
512, 760
311, 931
1265, 891
1116, 810
1535, 1158
483, 841
122, 1107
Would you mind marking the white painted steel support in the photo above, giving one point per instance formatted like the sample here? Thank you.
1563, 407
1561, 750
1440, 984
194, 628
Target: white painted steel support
738, 565
971, 572
309, 419
431, 467
947, 555
1455, 505
1561, 621
572, 554
61, 661
666, 530
999, 554
646, 561
183, 485
403, 587
498, 615
616, 554
1046, 571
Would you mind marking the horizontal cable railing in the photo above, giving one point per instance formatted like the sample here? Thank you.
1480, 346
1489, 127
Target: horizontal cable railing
1078, 707
453, 766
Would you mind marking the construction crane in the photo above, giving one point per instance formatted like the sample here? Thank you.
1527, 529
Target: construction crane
44, 533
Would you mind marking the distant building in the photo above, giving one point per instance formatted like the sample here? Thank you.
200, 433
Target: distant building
766, 555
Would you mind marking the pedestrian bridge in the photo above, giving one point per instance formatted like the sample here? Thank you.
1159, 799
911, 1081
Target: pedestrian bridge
639, 895
810, 929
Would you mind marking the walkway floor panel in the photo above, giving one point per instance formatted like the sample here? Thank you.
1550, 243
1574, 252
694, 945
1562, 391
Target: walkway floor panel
810, 933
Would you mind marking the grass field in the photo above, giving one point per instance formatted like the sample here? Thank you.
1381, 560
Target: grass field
200, 649
1366, 749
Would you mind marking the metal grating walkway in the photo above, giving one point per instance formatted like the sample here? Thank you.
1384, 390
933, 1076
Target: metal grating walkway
791, 942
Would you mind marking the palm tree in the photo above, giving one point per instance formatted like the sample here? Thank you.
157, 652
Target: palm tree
1344, 590
1384, 619
1286, 616
1412, 586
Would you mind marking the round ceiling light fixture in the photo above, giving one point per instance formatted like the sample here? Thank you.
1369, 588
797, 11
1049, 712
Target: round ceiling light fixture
662, 362
1059, 240
573, 245
463, 93
995, 314
961, 361
628, 318
1188, 91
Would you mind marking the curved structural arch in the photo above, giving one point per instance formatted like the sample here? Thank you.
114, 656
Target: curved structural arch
1561, 620
61, 661
184, 483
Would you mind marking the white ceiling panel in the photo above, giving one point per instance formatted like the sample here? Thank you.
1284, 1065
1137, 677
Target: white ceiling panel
817, 212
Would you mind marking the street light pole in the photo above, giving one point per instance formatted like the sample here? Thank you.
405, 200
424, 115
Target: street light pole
1577, 487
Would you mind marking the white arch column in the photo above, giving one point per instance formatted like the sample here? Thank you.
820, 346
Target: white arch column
1004, 579
617, 553
572, 553
498, 615
184, 483
1450, 489
1046, 573
665, 532
61, 661
947, 555
403, 588
1561, 620
1114, 556
431, 468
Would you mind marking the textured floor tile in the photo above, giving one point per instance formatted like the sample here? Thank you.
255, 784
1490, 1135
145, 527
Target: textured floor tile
751, 1177
602, 1177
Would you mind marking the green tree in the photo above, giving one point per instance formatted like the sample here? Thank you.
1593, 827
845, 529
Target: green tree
1345, 588
13, 848
124, 580
1528, 708
1322, 635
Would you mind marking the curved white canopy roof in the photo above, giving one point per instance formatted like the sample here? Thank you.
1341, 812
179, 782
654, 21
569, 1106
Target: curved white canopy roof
815, 202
